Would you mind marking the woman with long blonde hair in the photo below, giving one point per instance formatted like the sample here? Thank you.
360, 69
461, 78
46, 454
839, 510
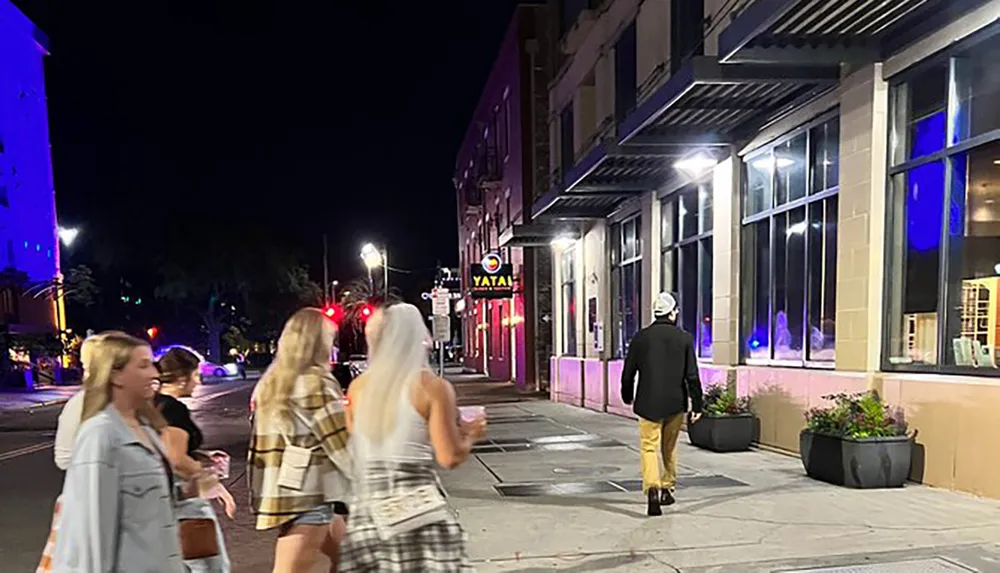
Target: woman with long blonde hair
117, 513
299, 465
403, 418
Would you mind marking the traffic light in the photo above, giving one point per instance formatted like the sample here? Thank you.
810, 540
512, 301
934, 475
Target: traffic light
366, 311
334, 312
152, 331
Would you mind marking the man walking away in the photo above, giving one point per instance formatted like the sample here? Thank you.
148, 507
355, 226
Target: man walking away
663, 356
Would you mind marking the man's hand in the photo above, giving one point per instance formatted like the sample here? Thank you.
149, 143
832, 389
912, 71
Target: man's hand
695, 416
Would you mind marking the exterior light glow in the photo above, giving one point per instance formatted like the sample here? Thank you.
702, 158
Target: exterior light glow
67, 236
371, 256
563, 242
696, 165
770, 163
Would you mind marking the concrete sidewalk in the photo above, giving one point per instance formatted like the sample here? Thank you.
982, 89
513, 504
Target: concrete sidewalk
20, 400
570, 479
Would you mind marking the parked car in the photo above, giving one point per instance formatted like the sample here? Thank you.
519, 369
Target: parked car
218, 370
207, 369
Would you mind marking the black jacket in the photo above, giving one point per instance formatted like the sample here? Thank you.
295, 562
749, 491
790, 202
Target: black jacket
663, 356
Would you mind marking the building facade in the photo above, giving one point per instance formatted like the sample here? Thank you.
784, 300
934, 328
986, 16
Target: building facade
29, 247
501, 161
818, 181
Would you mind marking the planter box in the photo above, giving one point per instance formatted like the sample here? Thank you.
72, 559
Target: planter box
722, 433
865, 463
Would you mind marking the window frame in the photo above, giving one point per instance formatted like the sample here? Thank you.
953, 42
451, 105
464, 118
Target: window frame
677, 244
770, 214
945, 155
567, 261
618, 266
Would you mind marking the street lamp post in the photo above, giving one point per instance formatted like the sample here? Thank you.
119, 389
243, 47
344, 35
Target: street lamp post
374, 258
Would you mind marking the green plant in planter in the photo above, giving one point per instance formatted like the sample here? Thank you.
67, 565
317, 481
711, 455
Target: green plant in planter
862, 415
722, 401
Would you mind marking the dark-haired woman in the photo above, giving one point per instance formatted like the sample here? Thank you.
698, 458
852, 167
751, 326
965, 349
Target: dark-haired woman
179, 375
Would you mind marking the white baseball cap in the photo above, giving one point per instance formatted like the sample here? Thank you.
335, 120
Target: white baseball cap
664, 304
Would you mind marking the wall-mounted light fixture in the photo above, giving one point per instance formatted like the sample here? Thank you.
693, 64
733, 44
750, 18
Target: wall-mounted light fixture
697, 164
563, 242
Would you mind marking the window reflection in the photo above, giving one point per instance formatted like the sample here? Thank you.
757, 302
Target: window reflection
686, 259
756, 275
789, 165
973, 258
916, 258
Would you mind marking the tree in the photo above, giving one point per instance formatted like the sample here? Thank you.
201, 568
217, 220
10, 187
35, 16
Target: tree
353, 299
230, 278
268, 310
81, 287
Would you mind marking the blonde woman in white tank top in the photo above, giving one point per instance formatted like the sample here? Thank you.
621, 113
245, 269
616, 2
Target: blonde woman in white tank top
403, 421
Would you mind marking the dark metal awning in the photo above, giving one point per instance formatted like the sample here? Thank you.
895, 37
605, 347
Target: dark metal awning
607, 175
557, 205
706, 96
537, 234
822, 32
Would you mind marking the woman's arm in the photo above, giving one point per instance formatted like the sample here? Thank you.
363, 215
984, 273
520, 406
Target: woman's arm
69, 423
88, 534
348, 406
176, 442
452, 443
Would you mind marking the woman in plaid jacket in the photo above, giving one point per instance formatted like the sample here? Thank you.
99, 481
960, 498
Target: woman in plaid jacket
299, 465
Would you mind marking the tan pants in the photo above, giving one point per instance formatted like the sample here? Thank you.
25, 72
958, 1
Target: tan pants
656, 440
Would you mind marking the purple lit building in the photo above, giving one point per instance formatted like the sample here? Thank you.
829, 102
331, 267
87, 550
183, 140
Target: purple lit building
497, 177
29, 246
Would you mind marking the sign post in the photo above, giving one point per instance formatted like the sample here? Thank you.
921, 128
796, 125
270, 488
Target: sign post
441, 317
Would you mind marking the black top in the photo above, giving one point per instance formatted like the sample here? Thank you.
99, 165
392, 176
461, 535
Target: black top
178, 416
663, 356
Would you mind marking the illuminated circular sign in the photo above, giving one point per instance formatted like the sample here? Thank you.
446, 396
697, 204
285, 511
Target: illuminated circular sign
491, 263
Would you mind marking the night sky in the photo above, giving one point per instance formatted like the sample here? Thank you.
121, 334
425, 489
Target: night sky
282, 119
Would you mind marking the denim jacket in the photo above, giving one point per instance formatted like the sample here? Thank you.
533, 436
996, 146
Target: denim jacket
117, 513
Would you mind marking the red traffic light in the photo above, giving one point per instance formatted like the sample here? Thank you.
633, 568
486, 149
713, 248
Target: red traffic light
333, 312
152, 332
366, 311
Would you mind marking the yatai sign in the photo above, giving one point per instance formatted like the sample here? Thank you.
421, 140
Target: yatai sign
492, 278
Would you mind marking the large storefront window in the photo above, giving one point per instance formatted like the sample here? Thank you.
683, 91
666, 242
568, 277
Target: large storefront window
944, 215
568, 289
789, 247
626, 283
686, 261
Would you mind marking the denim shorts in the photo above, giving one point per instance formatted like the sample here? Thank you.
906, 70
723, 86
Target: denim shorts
320, 515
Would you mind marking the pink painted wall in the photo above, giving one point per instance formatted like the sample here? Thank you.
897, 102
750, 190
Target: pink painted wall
594, 388
781, 397
567, 388
615, 404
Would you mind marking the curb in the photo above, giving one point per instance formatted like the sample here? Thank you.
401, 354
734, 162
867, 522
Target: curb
36, 406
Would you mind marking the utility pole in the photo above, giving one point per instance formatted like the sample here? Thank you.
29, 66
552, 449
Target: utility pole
385, 272
326, 273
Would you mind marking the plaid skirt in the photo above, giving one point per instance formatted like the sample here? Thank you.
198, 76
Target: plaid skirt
435, 548
45, 565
